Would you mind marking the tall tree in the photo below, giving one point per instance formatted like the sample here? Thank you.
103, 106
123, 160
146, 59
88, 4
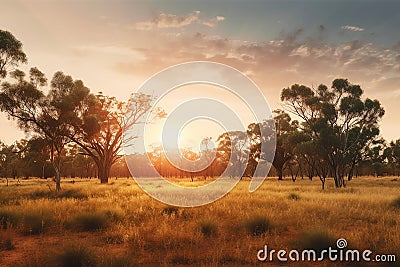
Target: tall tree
338, 119
284, 128
46, 116
233, 149
98, 127
11, 53
392, 155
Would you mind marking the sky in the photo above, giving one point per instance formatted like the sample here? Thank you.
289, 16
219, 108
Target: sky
115, 46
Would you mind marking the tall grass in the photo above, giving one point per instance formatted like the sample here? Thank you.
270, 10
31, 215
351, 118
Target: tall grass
119, 225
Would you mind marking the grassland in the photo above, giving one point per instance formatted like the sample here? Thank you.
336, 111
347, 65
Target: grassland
89, 224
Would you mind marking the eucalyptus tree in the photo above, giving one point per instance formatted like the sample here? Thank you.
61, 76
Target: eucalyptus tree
11, 53
99, 124
45, 116
338, 119
285, 128
233, 151
392, 155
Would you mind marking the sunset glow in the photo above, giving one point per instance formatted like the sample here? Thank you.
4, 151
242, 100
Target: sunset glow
114, 49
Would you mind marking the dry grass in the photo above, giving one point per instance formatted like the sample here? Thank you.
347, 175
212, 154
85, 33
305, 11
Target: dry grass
120, 225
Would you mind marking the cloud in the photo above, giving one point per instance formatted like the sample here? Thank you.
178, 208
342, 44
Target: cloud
211, 22
352, 28
164, 20
299, 56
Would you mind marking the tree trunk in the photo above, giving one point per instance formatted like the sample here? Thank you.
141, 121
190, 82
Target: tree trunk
323, 183
104, 173
57, 178
280, 173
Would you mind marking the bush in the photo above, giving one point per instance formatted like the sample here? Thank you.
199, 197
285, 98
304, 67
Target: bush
115, 215
76, 256
33, 224
294, 196
396, 203
208, 228
7, 219
6, 242
317, 240
258, 225
90, 221
170, 211
68, 193
180, 260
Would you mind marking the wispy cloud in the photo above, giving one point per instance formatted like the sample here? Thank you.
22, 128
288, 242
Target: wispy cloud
271, 62
352, 28
164, 20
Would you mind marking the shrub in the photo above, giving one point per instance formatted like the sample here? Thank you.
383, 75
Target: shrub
68, 193
317, 240
35, 223
90, 221
294, 196
76, 256
258, 225
7, 219
6, 242
170, 211
115, 215
180, 260
208, 228
396, 203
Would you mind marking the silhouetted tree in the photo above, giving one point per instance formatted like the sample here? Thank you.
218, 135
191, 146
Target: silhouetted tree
98, 127
11, 53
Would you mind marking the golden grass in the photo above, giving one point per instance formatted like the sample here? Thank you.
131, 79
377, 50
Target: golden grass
126, 227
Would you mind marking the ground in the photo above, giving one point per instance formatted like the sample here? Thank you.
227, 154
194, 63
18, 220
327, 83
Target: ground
90, 224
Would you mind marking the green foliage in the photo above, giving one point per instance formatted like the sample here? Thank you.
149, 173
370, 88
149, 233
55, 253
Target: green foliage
340, 124
258, 225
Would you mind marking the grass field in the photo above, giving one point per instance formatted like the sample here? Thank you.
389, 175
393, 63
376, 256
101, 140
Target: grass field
89, 224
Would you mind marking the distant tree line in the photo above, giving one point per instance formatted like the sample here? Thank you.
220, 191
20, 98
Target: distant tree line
76, 133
